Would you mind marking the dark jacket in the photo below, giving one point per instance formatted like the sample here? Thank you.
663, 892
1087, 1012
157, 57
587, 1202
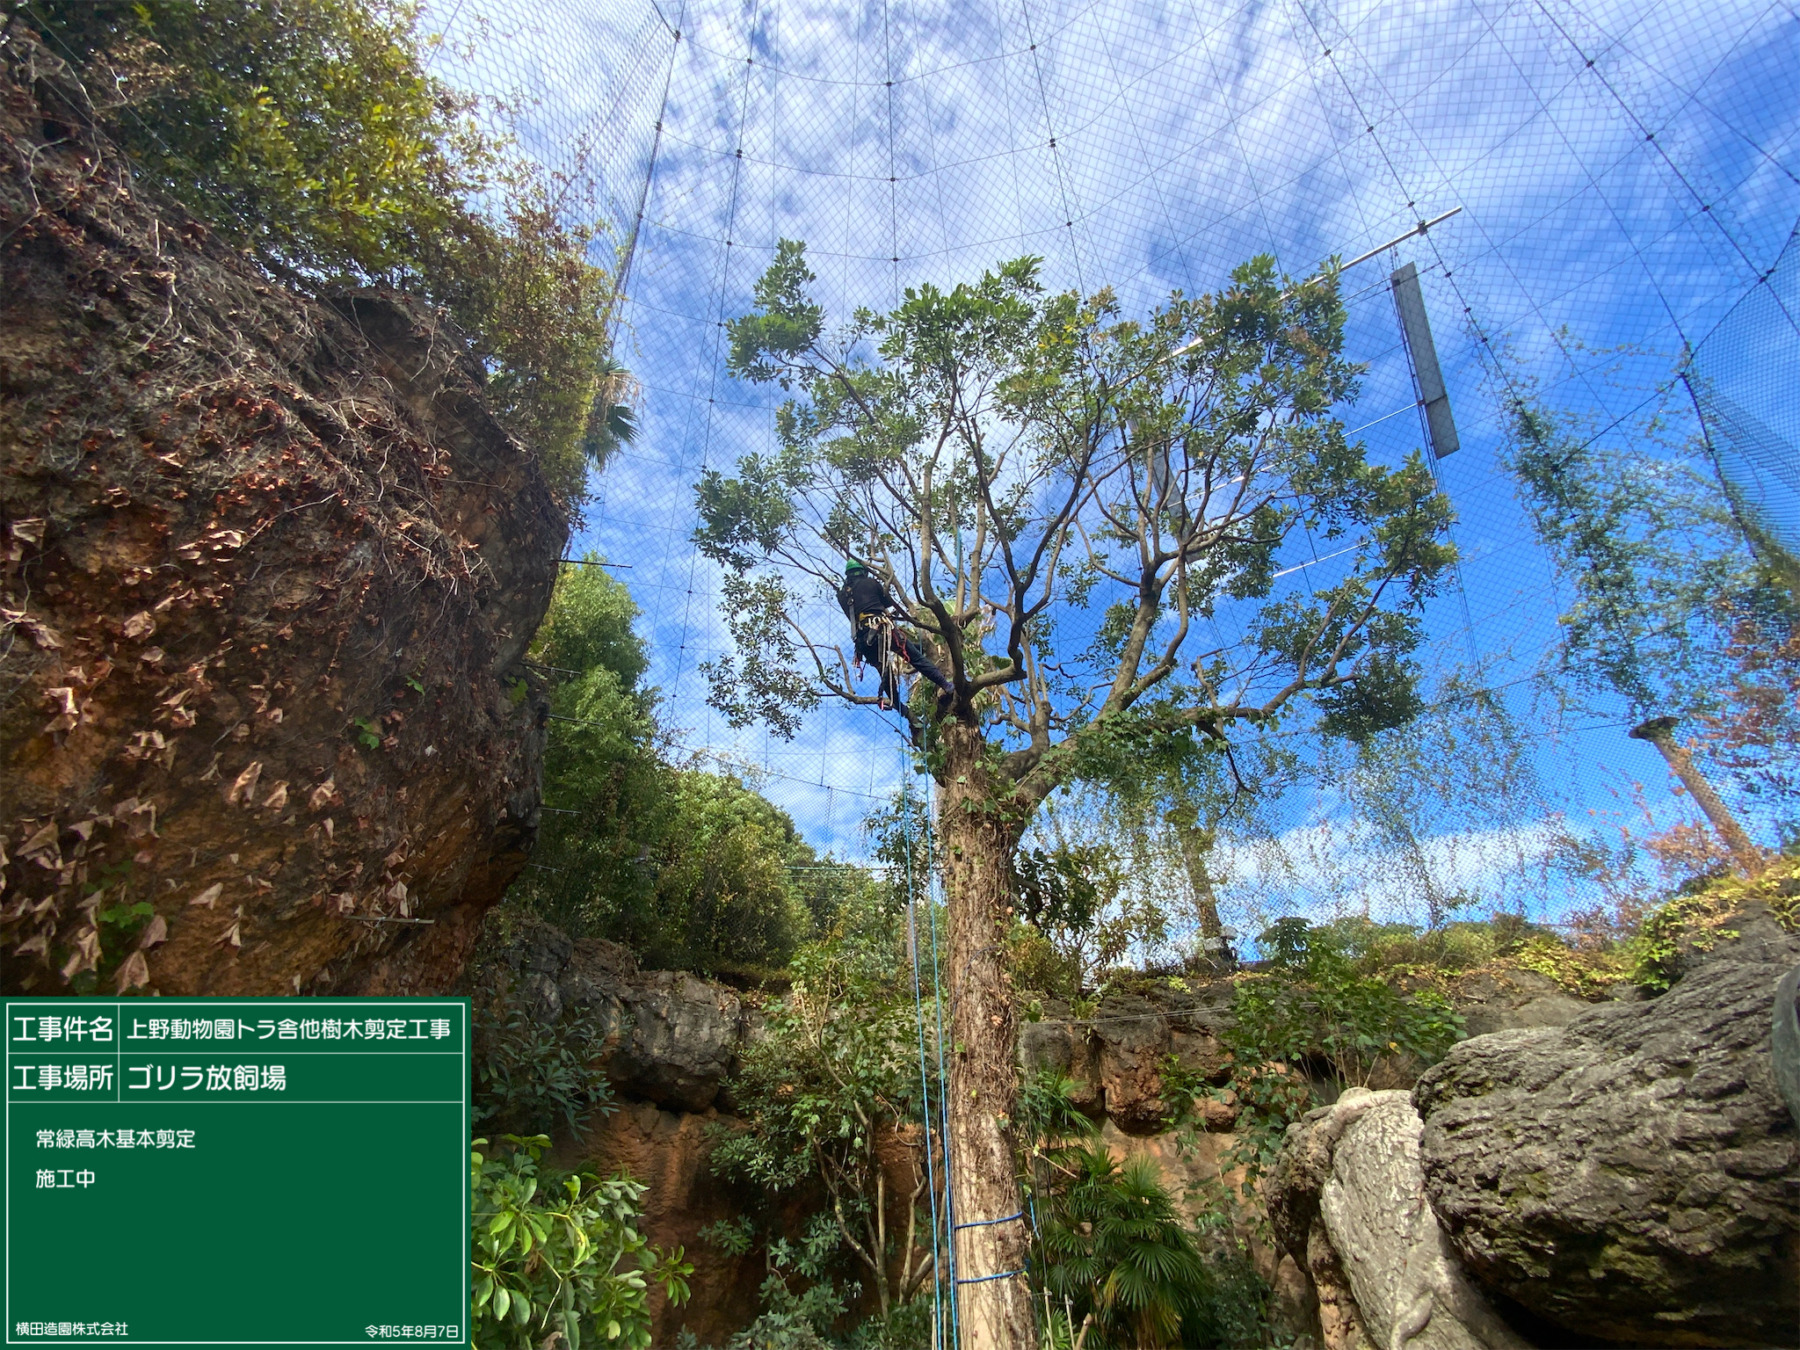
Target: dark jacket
864, 594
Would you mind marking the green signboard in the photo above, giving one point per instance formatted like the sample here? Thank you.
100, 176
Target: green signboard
227, 1172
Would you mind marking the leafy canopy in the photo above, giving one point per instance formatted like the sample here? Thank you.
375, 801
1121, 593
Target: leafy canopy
1066, 498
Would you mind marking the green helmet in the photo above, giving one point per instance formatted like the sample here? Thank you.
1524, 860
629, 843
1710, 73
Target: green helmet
852, 566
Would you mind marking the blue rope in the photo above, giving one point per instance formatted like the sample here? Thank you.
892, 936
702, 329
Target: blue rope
937, 976
912, 924
983, 1223
983, 1278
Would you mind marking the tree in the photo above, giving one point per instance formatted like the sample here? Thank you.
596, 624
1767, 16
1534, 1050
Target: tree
1674, 613
1066, 499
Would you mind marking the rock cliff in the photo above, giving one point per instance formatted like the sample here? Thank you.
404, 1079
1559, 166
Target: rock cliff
269, 568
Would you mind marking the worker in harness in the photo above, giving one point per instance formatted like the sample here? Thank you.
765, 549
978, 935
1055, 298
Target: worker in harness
872, 614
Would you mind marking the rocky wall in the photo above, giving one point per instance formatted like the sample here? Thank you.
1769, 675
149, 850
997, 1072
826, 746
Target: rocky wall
269, 565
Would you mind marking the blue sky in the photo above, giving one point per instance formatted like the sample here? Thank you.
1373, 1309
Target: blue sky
1626, 174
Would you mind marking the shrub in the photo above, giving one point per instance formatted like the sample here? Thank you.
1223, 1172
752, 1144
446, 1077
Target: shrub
1116, 1263
1695, 921
528, 1074
553, 1253
1115, 1249
311, 134
1312, 1003
836, 1072
1311, 1006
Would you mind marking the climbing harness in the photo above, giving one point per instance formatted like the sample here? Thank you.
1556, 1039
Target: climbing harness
887, 672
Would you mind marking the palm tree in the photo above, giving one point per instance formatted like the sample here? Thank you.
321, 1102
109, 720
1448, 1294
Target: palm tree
1119, 1254
1112, 1250
612, 422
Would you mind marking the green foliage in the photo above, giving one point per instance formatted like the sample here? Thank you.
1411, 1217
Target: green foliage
553, 1253
1060, 898
1696, 921
835, 1072
1404, 948
800, 1298
1312, 1002
1118, 1263
529, 1074
1114, 1247
1088, 886
312, 134
1311, 1006
117, 924
588, 628
1043, 447
692, 870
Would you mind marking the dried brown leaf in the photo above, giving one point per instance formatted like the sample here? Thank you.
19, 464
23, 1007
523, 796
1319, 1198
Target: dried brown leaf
244, 784
44, 838
133, 974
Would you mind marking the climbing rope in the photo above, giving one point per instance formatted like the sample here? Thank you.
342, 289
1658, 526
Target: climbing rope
912, 926
937, 976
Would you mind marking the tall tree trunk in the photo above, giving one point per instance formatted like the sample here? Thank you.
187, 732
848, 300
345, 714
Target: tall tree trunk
1196, 843
1660, 732
978, 841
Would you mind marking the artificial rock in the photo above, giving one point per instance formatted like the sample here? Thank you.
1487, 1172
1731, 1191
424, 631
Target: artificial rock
671, 1038
1634, 1175
1346, 1198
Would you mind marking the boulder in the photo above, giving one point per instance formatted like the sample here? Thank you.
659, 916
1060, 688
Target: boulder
1132, 1038
1060, 1047
671, 1038
1634, 1175
267, 568
1116, 1058
1346, 1198
675, 1037
1510, 1000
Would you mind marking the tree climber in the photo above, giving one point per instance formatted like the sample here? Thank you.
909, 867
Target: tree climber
872, 613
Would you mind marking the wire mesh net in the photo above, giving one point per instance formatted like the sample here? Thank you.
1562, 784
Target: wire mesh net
1624, 185
1742, 375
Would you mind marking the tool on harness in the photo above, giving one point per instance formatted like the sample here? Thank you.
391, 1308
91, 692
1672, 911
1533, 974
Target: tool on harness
874, 619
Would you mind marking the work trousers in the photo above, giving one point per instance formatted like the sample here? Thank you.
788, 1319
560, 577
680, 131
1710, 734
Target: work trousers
870, 630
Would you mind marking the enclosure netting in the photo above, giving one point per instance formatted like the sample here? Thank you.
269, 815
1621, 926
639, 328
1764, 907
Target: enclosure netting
1625, 178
